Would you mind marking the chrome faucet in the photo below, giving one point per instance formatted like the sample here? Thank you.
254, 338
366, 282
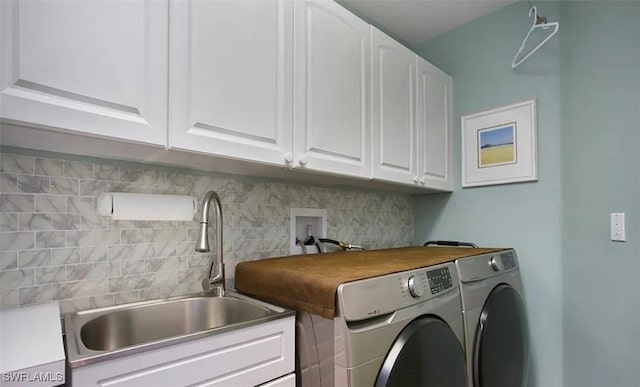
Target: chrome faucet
202, 245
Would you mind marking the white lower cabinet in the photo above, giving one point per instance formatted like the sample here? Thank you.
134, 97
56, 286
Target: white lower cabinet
250, 356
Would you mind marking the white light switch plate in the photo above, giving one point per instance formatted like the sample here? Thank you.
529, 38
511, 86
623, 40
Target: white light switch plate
617, 227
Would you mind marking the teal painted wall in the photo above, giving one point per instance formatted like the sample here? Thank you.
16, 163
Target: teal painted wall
600, 92
581, 288
526, 216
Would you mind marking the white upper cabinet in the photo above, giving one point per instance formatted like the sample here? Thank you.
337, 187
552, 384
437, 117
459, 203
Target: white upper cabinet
230, 81
434, 130
96, 67
331, 89
394, 121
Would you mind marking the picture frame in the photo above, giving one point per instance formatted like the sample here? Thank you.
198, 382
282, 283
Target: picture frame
499, 146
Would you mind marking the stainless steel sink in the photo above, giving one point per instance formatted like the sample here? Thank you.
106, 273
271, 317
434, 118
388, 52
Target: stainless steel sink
107, 333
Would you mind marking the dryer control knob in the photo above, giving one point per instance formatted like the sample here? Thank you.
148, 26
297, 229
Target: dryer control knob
493, 264
415, 287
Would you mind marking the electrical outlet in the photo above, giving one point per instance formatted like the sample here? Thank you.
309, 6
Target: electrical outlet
617, 227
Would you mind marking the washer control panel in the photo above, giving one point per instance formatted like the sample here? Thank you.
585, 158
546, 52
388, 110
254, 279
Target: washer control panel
376, 296
439, 280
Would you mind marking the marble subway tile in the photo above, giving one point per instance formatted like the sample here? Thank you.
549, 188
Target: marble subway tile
18, 164
50, 275
8, 299
129, 282
17, 240
79, 272
34, 258
126, 297
144, 250
107, 269
13, 279
120, 253
128, 237
79, 288
131, 252
50, 239
8, 222
17, 203
51, 204
94, 222
49, 167
93, 187
65, 221
8, 183
166, 264
64, 186
34, 295
107, 237
202, 260
81, 204
65, 256
8, 260
107, 172
133, 266
81, 238
34, 222
167, 249
78, 169
93, 254
34, 184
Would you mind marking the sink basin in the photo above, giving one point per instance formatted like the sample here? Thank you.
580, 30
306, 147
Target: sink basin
107, 333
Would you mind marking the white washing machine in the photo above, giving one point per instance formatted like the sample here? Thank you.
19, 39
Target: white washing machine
495, 323
402, 329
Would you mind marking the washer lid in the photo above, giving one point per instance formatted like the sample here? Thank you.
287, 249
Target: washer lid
426, 353
501, 350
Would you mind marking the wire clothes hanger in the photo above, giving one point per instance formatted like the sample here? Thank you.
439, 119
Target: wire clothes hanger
538, 22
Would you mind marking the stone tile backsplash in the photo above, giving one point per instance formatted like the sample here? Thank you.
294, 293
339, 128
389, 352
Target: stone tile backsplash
54, 246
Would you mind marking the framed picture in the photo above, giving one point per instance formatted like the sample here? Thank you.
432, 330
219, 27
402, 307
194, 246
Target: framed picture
499, 146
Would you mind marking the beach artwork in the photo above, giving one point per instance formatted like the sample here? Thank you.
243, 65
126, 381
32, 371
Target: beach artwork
497, 145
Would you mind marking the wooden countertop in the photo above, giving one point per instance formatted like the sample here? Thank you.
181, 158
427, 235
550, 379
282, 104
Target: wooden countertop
309, 282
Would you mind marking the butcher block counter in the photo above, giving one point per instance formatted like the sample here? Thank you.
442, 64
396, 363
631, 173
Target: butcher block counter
309, 282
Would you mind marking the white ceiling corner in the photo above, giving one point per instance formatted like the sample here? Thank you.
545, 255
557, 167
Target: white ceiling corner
416, 21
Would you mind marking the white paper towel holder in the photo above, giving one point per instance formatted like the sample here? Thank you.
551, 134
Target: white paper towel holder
132, 206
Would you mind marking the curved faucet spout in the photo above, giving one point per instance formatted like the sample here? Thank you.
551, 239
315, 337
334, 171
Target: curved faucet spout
202, 245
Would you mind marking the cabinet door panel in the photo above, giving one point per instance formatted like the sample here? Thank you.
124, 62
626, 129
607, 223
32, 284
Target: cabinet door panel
66, 65
231, 78
434, 101
394, 127
331, 89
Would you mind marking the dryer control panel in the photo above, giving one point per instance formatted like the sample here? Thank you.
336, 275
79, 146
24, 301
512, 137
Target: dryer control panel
479, 267
372, 297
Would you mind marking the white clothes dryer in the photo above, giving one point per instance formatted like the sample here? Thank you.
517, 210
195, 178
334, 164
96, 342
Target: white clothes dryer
495, 323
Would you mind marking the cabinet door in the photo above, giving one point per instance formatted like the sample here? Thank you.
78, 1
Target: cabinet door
230, 90
394, 129
96, 67
434, 131
331, 96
